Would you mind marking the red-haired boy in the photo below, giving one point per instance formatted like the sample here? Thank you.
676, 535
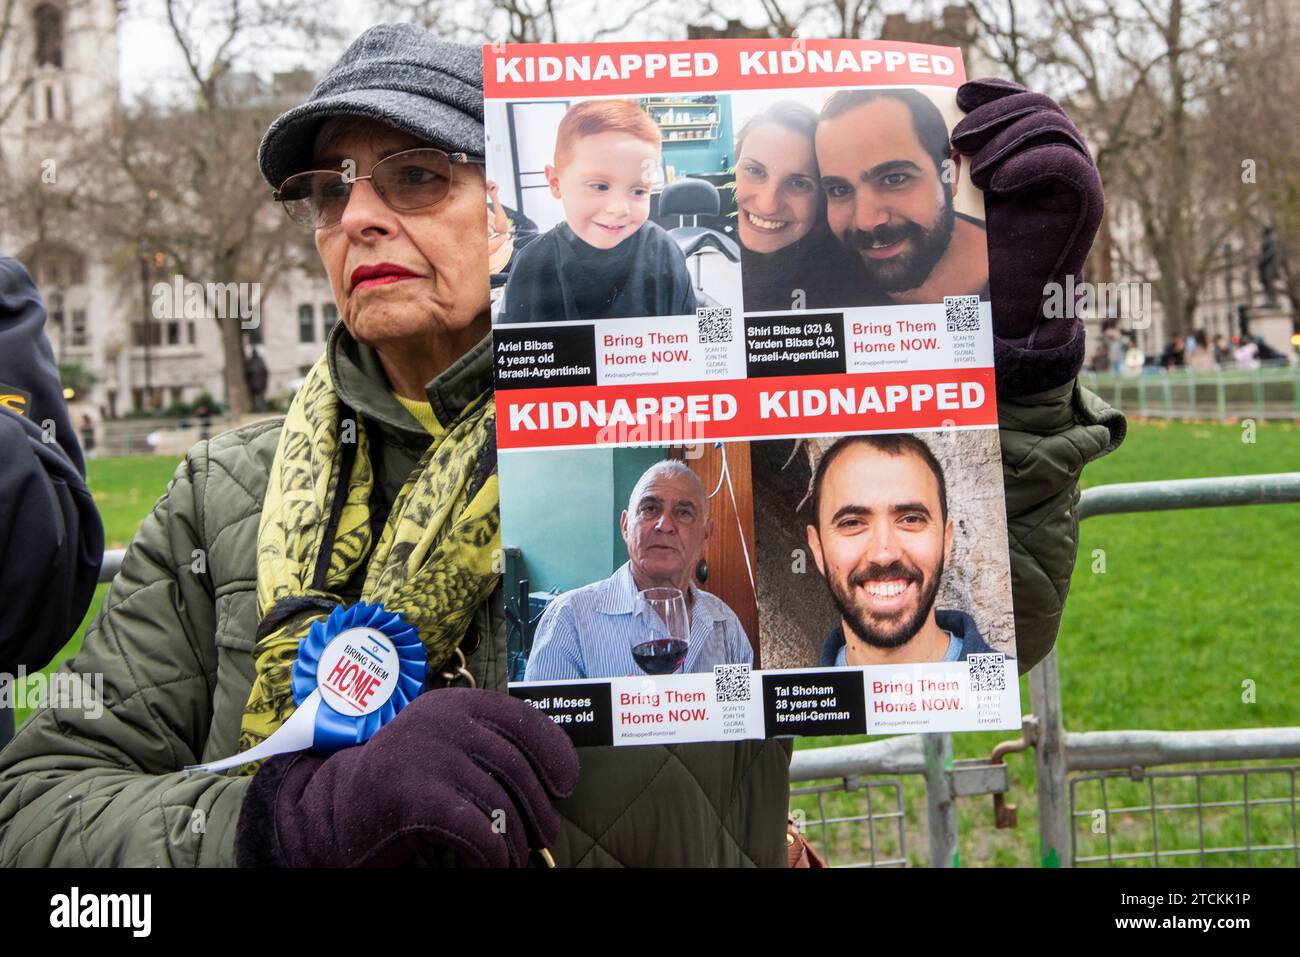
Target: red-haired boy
606, 259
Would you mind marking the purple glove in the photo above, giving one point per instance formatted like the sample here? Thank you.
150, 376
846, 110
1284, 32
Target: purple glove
437, 777
1043, 202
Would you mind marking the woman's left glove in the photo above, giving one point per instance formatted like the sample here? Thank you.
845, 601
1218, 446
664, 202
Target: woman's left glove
1043, 203
460, 774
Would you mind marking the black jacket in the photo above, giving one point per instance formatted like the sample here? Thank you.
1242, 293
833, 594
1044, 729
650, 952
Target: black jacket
558, 277
816, 271
51, 539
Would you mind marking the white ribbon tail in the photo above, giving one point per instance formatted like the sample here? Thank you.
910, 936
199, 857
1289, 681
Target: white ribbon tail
296, 734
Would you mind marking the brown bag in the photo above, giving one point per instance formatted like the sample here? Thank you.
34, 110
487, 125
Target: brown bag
800, 851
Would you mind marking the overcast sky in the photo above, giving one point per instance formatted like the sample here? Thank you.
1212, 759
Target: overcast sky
150, 62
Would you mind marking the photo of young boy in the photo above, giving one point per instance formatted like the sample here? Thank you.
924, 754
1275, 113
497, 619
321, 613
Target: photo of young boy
606, 258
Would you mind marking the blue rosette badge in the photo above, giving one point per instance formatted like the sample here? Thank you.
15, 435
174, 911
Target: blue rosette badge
354, 672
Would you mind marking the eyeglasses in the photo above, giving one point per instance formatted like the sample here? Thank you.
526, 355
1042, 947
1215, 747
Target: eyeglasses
411, 179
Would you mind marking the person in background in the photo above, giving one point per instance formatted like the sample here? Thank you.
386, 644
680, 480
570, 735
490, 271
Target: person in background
88, 436
1173, 355
257, 377
51, 537
1101, 358
1114, 340
1266, 352
1134, 357
1247, 355
1200, 355
1222, 351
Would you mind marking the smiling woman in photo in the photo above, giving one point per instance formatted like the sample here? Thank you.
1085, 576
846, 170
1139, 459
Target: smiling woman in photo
789, 259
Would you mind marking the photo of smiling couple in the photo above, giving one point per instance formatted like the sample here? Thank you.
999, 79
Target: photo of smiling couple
854, 198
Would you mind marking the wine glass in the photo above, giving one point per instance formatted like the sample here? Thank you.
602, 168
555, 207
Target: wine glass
664, 650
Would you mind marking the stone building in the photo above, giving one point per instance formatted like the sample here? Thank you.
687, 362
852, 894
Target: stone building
59, 71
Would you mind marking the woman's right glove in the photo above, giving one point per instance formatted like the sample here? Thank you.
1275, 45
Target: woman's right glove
462, 769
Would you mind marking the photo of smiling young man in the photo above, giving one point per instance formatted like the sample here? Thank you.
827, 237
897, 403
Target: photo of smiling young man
606, 259
891, 181
881, 535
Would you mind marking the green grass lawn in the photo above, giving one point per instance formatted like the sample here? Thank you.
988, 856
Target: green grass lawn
125, 490
1190, 605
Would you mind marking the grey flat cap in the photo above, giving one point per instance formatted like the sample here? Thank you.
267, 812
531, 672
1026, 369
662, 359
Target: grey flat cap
398, 74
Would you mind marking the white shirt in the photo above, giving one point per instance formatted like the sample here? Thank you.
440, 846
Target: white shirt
589, 632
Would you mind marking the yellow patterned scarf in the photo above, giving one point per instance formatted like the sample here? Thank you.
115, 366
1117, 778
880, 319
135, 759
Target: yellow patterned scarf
435, 561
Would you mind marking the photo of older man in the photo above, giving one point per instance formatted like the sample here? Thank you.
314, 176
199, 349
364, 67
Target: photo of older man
880, 533
589, 632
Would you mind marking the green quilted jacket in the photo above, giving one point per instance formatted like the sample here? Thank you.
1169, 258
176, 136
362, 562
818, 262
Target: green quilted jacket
174, 643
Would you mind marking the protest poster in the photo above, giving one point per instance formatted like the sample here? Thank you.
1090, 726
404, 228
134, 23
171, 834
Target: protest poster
747, 427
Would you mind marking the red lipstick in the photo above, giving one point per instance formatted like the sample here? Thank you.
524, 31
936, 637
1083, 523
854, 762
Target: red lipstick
379, 274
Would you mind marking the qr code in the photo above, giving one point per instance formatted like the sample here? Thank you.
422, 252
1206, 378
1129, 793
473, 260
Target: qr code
988, 671
962, 313
715, 324
731, 682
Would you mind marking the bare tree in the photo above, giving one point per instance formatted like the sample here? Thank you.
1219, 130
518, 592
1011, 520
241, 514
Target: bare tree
212, 209
1002, 27
1137, 76
180, 191
173, 187
530, 21
1258, 134
842, 19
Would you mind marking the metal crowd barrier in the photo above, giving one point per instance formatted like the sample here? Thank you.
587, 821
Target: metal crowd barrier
111, 565
1267, 392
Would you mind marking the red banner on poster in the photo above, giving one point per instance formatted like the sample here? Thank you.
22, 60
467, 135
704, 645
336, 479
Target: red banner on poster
686, 413
617, 69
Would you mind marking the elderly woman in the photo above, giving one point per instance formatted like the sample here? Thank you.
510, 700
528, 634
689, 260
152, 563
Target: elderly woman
789, 259
380, 487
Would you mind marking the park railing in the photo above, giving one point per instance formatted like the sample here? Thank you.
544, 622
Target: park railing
1070, 766
111, 565
1268, 392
